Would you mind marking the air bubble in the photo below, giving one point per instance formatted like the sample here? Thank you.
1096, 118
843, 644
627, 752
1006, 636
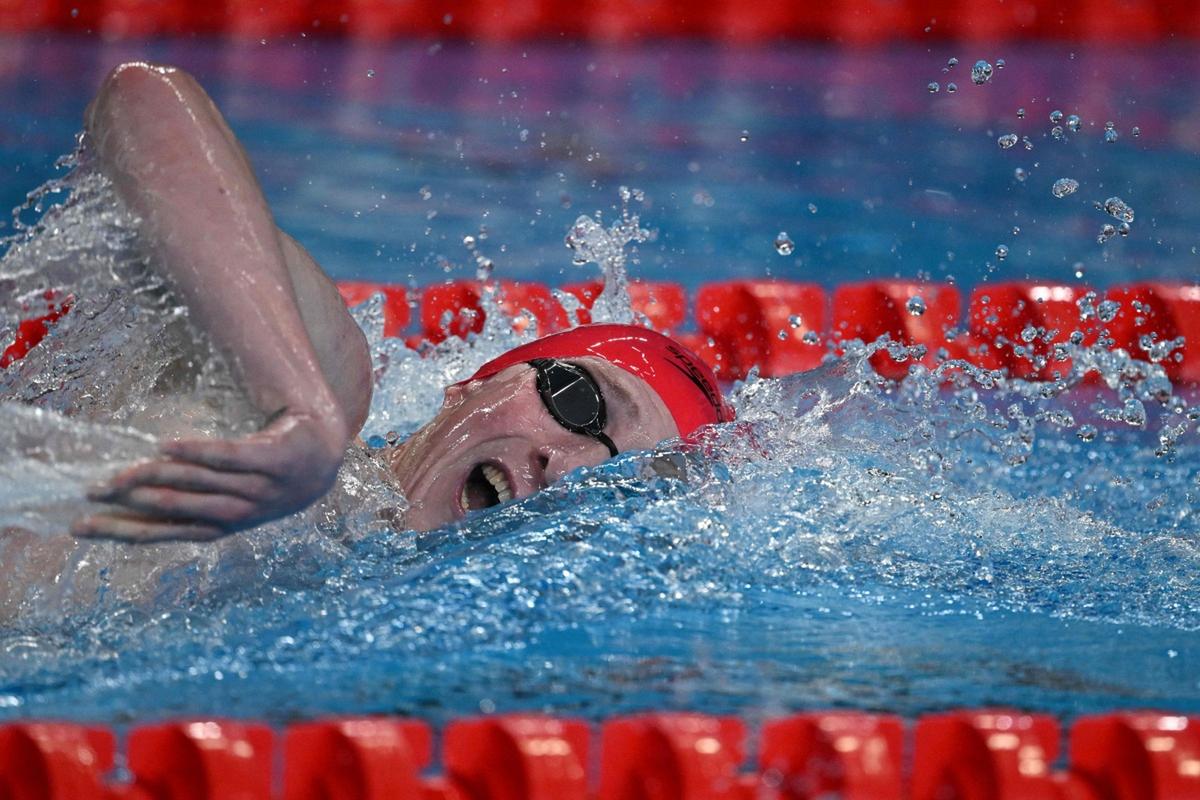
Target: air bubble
1064, 186
784, 244
1007, 141
915, 305
981, 73
1002, 251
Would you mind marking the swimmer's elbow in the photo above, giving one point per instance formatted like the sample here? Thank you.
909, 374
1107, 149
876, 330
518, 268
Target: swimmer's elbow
140, 83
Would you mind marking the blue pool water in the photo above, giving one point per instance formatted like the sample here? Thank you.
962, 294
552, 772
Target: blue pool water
857, 545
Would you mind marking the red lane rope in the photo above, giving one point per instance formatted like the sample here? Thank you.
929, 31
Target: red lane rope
982, 753
848, 21
784, 327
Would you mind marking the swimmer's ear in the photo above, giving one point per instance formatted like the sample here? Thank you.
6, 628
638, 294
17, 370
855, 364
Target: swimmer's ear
453, 396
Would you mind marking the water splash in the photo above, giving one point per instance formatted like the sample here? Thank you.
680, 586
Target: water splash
592, 242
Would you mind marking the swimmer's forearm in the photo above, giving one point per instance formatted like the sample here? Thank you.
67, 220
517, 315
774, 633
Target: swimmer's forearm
179, 168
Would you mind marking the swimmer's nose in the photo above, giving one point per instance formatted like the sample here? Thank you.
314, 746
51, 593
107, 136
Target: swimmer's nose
559, 459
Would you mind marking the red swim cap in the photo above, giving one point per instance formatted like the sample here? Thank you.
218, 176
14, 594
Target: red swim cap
685, 383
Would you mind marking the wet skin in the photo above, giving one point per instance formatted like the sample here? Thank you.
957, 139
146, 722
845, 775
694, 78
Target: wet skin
502, 423
303, 361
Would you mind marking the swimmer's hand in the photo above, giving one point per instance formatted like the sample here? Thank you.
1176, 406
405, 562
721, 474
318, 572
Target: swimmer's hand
208, 488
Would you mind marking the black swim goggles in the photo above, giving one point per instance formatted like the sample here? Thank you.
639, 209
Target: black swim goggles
573, 398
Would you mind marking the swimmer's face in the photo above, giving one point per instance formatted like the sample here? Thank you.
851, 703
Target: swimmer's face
494, 440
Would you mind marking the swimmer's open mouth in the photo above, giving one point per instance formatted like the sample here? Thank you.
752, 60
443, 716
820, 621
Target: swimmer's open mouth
486, 486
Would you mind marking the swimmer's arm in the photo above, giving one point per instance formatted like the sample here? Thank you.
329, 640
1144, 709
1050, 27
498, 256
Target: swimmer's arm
179, 168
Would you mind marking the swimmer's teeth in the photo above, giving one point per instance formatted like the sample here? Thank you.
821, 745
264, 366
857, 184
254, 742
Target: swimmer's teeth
464, 503
496, 479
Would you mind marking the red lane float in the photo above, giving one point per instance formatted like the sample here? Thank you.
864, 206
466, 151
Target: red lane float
202, 760
517, 758
54, 761
834, 754
671, 757
1021, 323
1128, 756
909, 313
985, 755
775, 325
355, 759
396, 312
1153, 313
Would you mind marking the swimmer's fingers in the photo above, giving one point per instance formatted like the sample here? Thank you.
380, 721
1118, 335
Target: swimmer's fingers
232, 455
129, 528
227, 511
184, 477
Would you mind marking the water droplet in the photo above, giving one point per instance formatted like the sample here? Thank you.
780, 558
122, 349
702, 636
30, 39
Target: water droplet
425, 192
1064, 186
1020, 174
1057, 132
1002, 252
1107, 310
1106, 232
744, 137
951, 88
784, 244
981, 73
1001, 63
370, 73
1056, 116
1073, 123
810, 338
1119, 209
1111, 136
795, 321
934, 87
1086, 433
812, 208
1007, 141
1021, 113
915, 305
1079, 270
1016, 230
953, 62
1028, 144
1136, 131
1123, 229
469, 241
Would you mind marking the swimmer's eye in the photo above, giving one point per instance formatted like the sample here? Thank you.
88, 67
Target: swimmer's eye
573, 398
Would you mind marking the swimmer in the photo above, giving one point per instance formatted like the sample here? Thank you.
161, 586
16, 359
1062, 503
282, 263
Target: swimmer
521, 422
